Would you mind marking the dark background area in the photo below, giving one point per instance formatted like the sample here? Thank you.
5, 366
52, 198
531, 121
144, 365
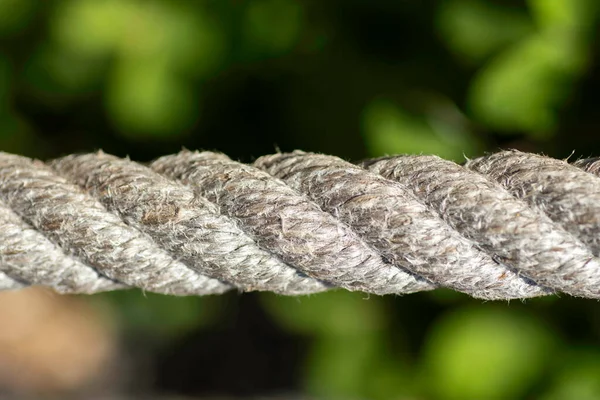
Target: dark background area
351, 78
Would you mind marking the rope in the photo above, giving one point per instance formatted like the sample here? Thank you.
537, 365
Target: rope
503, 226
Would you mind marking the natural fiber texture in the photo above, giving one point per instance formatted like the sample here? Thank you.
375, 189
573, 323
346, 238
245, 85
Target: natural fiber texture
508, 225
504, 226
84, 229
32, 258
189, 227
288, 224
392, 220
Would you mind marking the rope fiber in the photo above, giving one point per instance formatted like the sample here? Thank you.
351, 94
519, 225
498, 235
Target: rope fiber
508, 225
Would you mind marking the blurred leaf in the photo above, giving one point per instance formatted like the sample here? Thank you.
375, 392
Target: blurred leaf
176, 33
484, 353
148, 100
577, 377
391, 130
522, 89
15, 15
193, 42
331, 313
92, 27
159, 315
272, 26
357, 366
186, 39
391, 378
56, 71
349, 358
571, 17
339, 365
473, 29
157, 47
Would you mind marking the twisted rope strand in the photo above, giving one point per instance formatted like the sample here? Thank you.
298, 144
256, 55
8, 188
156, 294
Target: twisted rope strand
8, 283
392, 220
83, 228
289, 224
29, 256
507, 225
188, 226
504, 226
591, 165
568, 195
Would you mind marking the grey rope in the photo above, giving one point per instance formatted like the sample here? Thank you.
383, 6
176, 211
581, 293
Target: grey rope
504, 226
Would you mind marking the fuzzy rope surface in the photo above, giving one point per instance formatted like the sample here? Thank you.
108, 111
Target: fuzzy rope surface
504, 226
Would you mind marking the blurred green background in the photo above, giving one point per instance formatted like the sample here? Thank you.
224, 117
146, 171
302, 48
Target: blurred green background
353, 78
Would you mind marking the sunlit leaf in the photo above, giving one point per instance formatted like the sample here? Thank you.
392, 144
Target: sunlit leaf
176, 33
192, 41
473, 29
523, 88
484, 353
388, 129
358, 366
330, 313
147, 100
92, 27
570, 17
338, 366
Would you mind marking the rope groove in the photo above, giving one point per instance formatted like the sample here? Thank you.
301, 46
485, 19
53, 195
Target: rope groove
503, 226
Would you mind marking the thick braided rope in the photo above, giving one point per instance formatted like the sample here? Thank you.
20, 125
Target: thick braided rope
508, 225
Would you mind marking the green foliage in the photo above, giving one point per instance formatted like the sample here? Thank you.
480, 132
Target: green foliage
448, 77
391, 130
147, 98
474, 29
350, 357
489, 353
351, 366
570, 17
332, 313
148, 86
272, 27
159, 316
577, 376
15, 15
521, 89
